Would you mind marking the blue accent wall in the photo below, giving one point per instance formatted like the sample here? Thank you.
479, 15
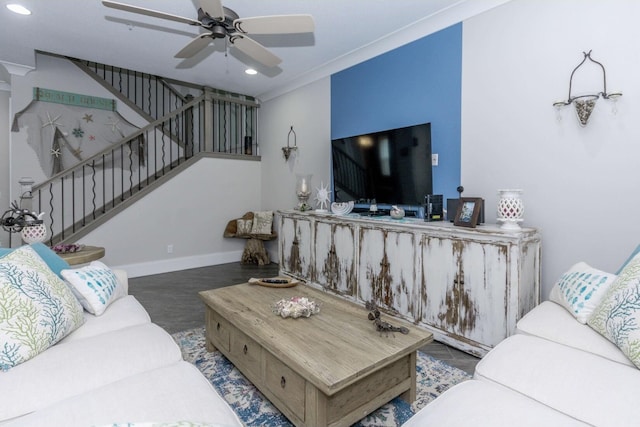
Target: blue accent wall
420, 82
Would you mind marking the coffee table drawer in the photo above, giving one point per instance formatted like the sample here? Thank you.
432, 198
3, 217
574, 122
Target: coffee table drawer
246, 353
218, 330
288, 386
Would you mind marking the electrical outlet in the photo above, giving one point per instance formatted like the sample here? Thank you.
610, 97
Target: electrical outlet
434, 159
169, 249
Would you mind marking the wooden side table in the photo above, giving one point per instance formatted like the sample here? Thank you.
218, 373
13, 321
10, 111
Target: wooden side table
87, 254
254, 250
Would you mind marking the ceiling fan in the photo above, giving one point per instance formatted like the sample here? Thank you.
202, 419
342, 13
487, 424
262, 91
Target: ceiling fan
220, 22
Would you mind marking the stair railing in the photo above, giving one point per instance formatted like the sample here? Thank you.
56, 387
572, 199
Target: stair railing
79, 196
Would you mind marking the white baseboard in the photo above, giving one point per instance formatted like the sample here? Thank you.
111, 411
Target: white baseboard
177, 264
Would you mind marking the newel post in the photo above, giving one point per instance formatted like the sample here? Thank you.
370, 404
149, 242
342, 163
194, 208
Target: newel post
26, 196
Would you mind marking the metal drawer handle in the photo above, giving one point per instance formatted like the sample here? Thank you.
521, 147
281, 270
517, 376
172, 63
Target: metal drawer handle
218, 326
283, 382
245, 349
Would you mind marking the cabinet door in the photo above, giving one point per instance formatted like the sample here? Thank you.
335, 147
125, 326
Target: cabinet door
388, 271
465, 288
295, 247
483, 310
440, 265
334, 255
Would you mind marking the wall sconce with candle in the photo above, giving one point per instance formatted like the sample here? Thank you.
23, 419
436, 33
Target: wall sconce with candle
584, 104
286, 151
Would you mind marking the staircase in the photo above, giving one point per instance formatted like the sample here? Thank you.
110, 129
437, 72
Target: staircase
186, 123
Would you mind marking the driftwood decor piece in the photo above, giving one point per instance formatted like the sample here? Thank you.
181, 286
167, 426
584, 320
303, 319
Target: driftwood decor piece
382, 326
255, 253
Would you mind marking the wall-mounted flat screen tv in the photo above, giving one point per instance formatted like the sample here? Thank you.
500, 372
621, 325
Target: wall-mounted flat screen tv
391, 166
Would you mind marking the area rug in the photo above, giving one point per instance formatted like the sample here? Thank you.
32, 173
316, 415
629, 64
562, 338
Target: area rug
253, 409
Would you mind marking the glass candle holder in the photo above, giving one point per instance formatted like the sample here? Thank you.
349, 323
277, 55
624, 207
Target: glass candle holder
303, 191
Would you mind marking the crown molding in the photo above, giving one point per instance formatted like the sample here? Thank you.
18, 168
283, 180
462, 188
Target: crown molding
17, 69
455, 14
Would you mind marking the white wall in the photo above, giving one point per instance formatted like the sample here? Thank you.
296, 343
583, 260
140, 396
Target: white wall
580, 184
189, 212
308, 110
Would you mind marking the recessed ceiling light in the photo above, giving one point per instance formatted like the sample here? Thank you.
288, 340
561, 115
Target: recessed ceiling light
250, 71
19, 9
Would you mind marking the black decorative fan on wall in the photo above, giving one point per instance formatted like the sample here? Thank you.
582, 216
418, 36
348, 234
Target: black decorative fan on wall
220, 22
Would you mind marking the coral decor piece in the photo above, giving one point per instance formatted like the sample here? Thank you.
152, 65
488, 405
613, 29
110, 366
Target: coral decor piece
296, 307
342, 208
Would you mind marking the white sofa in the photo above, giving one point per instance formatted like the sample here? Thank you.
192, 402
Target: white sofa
554, 371
116, 368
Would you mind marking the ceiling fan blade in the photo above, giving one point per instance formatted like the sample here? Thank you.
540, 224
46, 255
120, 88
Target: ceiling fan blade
275, 24
194, 46
148, 12
213, 8
254, 49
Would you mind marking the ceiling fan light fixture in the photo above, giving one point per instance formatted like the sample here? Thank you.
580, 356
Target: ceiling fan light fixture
218, 32
19, 9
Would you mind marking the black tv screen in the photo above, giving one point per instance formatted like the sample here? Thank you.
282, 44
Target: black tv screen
391, 166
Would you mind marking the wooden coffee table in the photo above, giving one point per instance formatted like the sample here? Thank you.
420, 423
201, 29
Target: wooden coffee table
330, 369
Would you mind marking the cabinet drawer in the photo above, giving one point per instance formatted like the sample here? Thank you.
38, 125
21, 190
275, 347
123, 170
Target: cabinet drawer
245, 354
285, 384
218, 330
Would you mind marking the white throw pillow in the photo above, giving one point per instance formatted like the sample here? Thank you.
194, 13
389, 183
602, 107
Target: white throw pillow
618, 316
244, 226
262, 222
581, 289
37, 309
95, 285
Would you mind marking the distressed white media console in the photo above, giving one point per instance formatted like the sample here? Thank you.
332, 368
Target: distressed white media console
468, 286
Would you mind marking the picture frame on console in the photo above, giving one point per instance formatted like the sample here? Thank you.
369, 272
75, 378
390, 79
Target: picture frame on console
468, 212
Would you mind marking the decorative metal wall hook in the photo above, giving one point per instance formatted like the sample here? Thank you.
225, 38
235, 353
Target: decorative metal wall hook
585, 104
286, 151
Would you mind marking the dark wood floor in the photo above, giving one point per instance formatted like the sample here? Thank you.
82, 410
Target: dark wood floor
173, 303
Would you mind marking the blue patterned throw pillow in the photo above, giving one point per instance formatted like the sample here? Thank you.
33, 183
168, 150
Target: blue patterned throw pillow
52, 259
37, 309
581, 289
95, 285
618, 315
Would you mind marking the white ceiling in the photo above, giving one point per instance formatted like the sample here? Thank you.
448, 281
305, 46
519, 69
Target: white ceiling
347, 32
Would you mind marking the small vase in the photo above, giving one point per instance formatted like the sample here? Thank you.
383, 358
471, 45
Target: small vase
510, 209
